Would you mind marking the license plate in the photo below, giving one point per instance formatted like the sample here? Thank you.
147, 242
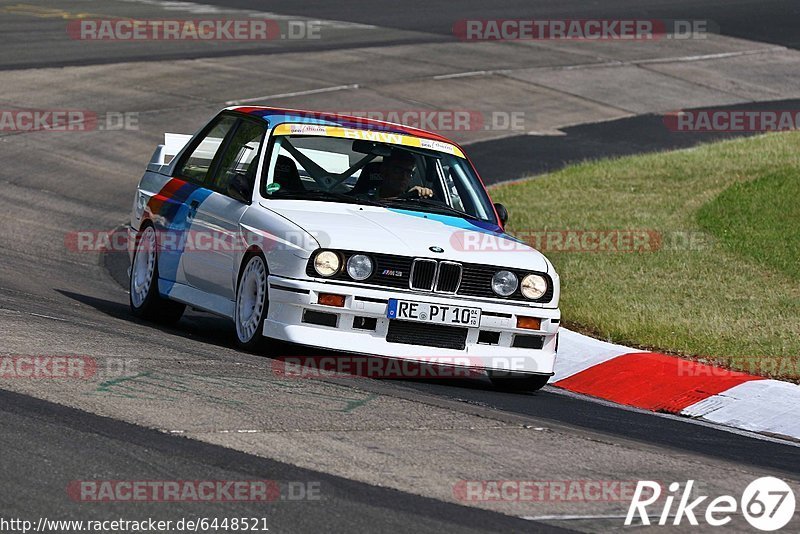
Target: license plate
433, 313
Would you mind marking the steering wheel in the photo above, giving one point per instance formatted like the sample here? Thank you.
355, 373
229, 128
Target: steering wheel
412, 193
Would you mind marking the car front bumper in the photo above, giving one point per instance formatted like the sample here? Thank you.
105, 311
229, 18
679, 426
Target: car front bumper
294, 308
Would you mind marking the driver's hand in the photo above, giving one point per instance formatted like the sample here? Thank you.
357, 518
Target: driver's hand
422, 192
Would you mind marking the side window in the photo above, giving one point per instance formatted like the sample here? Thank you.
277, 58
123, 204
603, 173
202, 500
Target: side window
196, 166
450, 184
240, 157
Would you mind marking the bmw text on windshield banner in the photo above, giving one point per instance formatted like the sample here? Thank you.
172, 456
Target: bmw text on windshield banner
368, 135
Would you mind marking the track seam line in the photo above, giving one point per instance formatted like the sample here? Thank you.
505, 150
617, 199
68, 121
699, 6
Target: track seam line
294, 93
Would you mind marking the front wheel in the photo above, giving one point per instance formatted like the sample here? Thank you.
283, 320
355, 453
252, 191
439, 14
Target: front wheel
517, 382
145, 301
251, 304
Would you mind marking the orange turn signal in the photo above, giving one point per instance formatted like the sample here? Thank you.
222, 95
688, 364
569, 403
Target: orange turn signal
529, 323
329, 299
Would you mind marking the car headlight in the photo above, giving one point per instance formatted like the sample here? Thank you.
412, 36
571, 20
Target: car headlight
533, 286
327, 263
504, 283
359, 267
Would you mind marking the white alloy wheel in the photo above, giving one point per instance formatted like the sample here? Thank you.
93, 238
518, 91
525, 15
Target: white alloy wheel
143, 268
251, 300
146, 302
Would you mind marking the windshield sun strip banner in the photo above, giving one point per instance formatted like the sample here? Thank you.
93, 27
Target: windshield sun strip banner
368, 135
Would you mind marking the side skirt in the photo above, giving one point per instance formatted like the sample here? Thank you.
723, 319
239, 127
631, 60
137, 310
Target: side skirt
196, 298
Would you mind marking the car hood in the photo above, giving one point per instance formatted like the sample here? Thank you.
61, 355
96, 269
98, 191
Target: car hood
408, 233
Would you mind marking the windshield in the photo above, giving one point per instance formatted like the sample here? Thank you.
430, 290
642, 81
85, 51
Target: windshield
363, 171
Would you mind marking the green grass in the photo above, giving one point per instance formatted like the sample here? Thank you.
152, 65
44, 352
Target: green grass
723, 287
760, 219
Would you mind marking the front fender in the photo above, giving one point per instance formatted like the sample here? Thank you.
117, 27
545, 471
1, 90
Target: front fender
286, 246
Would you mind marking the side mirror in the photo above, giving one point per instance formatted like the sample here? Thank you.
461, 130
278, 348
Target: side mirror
502, 212
239, 188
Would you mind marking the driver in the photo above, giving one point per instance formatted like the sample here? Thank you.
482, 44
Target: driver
397, 169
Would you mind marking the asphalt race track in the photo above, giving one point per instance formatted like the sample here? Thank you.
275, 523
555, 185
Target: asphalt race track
182, 403
770, 21
130, 452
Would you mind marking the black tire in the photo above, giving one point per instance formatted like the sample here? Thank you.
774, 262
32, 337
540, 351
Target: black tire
143, 297
249, 335
518, 382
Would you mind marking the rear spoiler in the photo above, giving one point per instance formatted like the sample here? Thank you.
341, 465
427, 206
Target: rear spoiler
164, 154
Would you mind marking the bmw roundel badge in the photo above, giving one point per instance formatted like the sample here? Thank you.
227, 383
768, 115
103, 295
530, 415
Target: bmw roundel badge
438, 250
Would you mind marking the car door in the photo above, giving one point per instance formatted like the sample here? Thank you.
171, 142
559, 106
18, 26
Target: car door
180, 197
212, 268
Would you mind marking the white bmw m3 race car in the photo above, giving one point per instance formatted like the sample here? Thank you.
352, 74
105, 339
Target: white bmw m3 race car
341, 233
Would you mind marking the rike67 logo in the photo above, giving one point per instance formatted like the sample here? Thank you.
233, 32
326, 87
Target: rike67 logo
768, 504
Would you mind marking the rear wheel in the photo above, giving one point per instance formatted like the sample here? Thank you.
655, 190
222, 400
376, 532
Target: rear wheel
145, 301
251, 303
518, 382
